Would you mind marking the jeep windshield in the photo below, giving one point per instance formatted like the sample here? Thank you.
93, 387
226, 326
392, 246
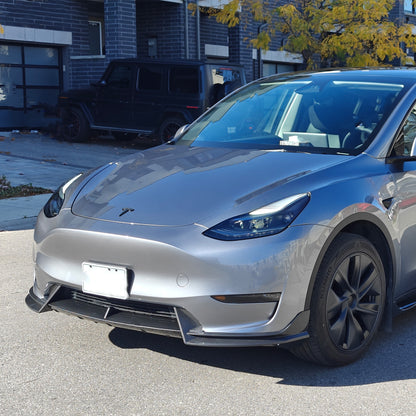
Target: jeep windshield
320, 113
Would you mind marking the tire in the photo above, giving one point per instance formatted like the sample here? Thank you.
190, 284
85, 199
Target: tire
168, 128
75, 126
347, 303
119, 135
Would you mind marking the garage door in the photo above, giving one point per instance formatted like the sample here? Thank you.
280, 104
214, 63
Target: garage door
30, 81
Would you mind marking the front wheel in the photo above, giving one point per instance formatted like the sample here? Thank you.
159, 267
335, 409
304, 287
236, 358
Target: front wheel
168, 128
75, 126
347, 303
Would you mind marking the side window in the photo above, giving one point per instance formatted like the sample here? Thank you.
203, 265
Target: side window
184, 80
120, 76
149, 79
223, 81
404, 144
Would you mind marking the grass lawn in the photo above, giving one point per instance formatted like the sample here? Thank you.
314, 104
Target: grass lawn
8, 191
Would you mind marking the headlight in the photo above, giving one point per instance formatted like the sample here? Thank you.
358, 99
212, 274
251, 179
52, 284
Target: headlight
54, 205
268, 220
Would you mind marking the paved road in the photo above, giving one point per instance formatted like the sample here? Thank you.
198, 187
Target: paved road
53, 364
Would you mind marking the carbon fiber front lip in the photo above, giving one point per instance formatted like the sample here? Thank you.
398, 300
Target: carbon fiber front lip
174, 323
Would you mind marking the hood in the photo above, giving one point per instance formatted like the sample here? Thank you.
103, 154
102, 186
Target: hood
77, 94
178, 185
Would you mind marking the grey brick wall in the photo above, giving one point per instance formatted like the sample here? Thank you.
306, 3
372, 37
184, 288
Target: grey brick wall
165, 23
120, 23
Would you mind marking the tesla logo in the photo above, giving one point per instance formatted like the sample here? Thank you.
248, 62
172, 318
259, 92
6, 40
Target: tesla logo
125, 211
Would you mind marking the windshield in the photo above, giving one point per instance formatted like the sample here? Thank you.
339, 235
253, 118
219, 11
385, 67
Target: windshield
314, 114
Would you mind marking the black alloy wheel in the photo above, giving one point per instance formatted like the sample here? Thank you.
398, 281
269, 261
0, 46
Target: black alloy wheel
75, 126
347, 302
169, 127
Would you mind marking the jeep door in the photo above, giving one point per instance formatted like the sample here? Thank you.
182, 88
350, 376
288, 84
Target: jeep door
148, 97
113, 107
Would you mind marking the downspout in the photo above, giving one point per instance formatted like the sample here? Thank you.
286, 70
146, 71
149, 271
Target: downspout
259, 60
186, 29
198, 32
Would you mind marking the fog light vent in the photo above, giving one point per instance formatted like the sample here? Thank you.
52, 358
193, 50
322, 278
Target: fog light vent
251, 298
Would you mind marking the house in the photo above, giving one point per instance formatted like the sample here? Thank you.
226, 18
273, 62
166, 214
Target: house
51, 45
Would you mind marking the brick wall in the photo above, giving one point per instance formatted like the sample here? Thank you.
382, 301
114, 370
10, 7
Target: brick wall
120, 23
165, 23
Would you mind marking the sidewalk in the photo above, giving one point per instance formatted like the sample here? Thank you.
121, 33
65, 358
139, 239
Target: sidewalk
46, 162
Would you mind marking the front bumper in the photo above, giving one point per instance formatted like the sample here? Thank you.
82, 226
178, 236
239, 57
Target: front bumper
154, 318
177, 270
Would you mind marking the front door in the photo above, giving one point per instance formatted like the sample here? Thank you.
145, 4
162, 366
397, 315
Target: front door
113, 106
402, 213
148, 97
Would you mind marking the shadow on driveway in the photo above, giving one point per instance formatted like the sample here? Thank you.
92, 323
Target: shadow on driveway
391, 357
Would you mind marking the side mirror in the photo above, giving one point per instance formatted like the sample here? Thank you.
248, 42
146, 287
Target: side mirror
413, 149
180, 131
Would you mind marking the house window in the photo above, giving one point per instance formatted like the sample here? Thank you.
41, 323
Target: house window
95, 38
408, 6
271, 68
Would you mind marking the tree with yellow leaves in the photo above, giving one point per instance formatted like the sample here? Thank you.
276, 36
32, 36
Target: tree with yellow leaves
334, 32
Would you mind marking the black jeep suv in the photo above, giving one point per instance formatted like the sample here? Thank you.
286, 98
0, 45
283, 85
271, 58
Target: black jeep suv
146, 97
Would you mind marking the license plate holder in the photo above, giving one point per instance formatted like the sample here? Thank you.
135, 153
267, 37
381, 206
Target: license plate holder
105, 280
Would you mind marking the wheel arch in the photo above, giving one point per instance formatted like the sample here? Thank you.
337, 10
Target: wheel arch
371, 228
80, 106
173, 113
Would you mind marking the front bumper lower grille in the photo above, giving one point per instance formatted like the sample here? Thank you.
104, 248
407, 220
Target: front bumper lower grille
142, 316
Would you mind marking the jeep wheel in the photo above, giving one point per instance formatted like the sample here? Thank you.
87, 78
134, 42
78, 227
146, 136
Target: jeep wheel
169, 127
75, 126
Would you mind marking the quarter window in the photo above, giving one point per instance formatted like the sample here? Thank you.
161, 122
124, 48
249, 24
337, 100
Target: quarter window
184, 80
149, 79
405, 143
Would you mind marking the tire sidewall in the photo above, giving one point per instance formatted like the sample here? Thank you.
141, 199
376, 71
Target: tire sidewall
165, 123
342, 248
83, 126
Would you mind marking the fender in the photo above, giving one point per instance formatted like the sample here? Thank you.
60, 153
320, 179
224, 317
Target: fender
80, 105
390, 264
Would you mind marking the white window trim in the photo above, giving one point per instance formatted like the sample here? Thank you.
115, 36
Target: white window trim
280, 56
87, 57
219, 51
29, 34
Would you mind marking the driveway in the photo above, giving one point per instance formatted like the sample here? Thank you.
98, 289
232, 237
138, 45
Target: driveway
54, 364
44, 161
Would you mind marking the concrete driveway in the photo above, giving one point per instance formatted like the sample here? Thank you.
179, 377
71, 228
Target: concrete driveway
54, 364
44, 161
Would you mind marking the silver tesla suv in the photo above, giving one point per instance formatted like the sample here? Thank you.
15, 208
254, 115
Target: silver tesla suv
285, 215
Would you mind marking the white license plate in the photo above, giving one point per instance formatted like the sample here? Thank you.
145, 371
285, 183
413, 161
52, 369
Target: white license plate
105, 280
